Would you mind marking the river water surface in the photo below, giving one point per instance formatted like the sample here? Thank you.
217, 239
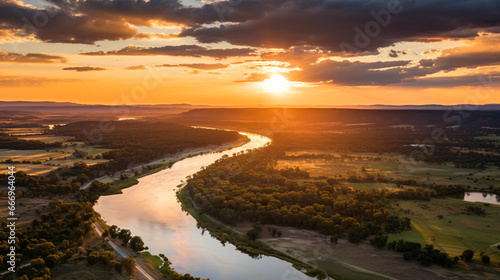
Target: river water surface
482, 197
150, 209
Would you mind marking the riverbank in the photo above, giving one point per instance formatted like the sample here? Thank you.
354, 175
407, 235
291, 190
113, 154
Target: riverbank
147, 261
224, 234
129, 177
311, 251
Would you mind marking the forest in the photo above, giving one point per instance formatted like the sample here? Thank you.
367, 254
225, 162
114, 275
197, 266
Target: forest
250, 188
12, 142
139, 142
337, 117
462, 147
60, 231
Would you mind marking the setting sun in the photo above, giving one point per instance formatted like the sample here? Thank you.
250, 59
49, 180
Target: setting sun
276, 84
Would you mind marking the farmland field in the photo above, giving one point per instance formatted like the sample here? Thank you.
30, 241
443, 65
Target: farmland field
23, 131
444, 223
33, 155
40, 162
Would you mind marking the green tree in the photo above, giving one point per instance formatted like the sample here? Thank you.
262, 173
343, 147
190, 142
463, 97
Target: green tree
116, 265
113, 231
467, 255
129, 264
485, 259
106, 256
93, 258
253, 234
136, 243
124, 236
38, 263
51, 260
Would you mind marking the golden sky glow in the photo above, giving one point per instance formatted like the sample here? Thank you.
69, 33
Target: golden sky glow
152, 58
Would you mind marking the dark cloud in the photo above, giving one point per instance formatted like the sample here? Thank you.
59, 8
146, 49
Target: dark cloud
85, 69
198, 66
297, 55
63, 24
154, 36
136, 67
31, 58
394, 53
329, 24
353, 73
456, 81
144, 13
182, 50
261, 23
467, 60
88, 21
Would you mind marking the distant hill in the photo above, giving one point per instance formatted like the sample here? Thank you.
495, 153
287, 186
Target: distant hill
450, 117
62, 112
54, 106
55, 112
65, 106
486, 107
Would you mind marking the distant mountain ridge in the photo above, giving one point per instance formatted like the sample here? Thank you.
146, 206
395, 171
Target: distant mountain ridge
470, 107
31, 105
16, 104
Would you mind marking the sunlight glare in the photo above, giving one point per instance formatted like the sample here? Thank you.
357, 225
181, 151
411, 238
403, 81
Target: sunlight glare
276, 84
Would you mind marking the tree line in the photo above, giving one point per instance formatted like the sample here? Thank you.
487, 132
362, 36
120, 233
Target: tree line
249, 188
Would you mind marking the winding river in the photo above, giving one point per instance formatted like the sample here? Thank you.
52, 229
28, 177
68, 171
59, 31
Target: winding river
150, 209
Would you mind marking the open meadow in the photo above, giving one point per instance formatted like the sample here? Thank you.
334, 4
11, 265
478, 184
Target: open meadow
388, 165
445, 223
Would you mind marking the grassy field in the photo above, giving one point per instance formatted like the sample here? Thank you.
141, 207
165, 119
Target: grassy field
376, 186
389, 165
494, 138
155, 261
445, 224
441, 222
33, 155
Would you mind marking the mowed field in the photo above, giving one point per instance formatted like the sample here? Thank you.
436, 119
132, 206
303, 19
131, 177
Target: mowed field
456, 231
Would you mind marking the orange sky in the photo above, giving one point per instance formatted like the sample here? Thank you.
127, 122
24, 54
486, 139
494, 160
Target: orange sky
161, 65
